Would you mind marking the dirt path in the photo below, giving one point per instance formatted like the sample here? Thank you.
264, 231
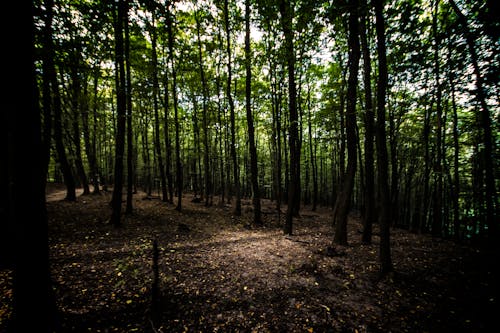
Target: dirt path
59, 195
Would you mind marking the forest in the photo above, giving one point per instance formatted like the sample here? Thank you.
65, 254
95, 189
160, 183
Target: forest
250, 166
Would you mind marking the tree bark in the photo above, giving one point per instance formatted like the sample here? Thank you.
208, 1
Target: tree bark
342, 203
251, 131
286, 20
485, 125
156, 91
369, 215
116, 201
236, 174
206, 160
382, 160
130, 152
178, 164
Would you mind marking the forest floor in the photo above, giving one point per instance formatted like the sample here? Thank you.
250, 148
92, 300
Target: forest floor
218, 274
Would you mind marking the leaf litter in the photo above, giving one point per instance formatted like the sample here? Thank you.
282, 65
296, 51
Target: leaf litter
218, 275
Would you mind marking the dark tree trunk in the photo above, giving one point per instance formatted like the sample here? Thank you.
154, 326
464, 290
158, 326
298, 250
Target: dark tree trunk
90, 145
312, 153
130, 152
178, 163
437, 220
51, 77
485, 125
206, 161
251, 131
77, 109
168, 146
342, 203
121, 99
369, 216
22, 174
156, 91
236, 174
456, 151
286, 20
382, 160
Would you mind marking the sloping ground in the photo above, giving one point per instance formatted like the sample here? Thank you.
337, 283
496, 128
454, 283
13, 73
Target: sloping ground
217, 274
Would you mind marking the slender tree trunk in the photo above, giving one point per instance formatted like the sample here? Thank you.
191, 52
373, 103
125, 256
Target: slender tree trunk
51, 77
369, 215
342, 203
178, 163
456, 151
77, 109
236, 176
168, 146
47, 100
130, 152
382, 161
312, 153
485, 124
95, 164
251, 131
206, 161
437, 220
156, 92
116, 201
286, 20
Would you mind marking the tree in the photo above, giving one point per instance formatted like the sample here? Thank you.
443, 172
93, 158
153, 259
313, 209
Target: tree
251, 131
382, 161
22, 180
369, 214
342, 203
121, 100
286, 23
234, 157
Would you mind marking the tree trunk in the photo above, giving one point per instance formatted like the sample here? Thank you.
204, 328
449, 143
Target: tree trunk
342, 203
382, 161
168, 146
130, 152
22, 179
116, 201
206, 161
236, 176
485, 125
286, 20
369, 215
437, 220
178, 163
77, 109
156, 92
251, 131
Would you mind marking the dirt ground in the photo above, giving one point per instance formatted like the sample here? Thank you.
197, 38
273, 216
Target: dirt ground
218, 274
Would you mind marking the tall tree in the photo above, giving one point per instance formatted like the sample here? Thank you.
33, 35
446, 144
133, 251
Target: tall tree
342, 203
382, 159
369, 215
438, 172
121, 100
51, 76
156, 92
485, 125
234, 156
128, 83
206, 160
22, 210
178, 163
286, 11
251, 131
